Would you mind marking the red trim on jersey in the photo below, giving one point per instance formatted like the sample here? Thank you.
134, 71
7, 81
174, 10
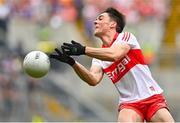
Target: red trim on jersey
119, 68
114, 38
126, 36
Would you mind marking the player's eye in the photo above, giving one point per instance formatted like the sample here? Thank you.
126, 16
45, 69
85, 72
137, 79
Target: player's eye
101, 18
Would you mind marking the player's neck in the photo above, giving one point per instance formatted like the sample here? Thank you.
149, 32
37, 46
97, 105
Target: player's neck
107, 39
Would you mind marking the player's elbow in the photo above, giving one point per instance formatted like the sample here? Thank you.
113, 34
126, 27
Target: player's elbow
93, 83
116, 57
113, 57
119, 55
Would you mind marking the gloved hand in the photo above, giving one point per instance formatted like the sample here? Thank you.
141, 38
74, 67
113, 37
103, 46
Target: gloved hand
62, 57
73, 48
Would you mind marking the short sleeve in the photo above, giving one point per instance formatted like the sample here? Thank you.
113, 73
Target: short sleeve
129, 38
96, 62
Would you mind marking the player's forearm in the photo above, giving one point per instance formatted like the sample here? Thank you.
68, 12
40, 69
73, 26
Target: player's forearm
106, 54
84, 74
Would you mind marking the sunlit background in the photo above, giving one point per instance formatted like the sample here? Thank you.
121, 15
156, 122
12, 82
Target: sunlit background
27, 25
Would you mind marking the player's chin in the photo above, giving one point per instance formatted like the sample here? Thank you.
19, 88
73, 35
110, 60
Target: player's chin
97, 34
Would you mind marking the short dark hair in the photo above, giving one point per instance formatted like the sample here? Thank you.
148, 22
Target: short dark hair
118, 17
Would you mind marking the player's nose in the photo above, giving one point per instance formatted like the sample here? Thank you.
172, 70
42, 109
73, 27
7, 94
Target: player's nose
95, 22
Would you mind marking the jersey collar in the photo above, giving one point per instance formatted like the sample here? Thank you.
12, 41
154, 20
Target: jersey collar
115, 37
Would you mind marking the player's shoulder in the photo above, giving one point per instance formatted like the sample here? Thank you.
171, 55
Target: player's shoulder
129, 38
126, 36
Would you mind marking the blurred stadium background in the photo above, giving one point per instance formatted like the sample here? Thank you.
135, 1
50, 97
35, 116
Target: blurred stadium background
27, 25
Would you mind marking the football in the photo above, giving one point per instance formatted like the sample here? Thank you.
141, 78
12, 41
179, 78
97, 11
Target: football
36, 64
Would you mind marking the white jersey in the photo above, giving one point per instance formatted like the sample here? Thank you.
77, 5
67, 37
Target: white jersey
130, 75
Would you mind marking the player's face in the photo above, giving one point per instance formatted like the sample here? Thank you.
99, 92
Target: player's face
101, 24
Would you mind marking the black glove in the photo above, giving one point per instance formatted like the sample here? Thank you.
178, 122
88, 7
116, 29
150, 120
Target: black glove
62, 57
73, 48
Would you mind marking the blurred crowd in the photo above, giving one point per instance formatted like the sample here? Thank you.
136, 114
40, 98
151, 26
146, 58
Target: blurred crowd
55, 12
82, 13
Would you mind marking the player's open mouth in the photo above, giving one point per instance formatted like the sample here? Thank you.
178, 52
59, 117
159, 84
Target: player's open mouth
96, 27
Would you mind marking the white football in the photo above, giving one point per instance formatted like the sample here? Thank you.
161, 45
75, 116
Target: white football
36, 64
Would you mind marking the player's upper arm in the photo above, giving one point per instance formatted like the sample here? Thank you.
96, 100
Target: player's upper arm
120, 50
97, 72
123, 44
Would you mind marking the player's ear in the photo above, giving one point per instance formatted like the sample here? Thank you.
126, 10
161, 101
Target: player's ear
113, 24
